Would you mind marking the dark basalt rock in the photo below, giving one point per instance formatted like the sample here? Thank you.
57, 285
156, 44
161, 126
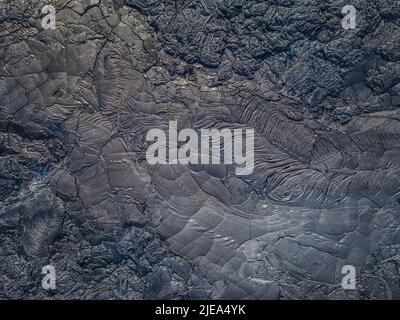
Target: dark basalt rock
76, 192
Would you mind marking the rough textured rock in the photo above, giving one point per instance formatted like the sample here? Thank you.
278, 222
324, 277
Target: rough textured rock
76, 191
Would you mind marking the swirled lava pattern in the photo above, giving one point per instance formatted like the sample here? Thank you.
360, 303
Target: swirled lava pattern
76, 191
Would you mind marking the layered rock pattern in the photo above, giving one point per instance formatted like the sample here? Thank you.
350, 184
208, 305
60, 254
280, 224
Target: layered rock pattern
77, 192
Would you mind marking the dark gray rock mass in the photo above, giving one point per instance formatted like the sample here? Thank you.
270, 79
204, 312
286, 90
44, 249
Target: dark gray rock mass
76, 191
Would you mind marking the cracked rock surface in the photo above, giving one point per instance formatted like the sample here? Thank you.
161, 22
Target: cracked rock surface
76, 191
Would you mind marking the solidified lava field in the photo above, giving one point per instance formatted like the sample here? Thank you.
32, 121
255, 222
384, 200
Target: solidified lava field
77, 193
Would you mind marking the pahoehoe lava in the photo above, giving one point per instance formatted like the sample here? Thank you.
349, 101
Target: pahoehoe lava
76, 191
